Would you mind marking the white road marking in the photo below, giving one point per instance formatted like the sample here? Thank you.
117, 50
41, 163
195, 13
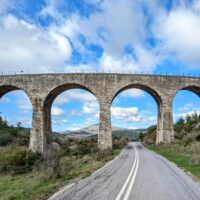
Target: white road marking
133, 179
133, 173
61, 191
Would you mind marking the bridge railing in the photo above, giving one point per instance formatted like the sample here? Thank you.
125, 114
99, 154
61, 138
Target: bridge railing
31, 72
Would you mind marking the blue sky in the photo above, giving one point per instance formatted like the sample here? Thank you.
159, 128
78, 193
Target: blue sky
94, 35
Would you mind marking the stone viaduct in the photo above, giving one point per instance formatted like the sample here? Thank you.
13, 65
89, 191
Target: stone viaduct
42, 89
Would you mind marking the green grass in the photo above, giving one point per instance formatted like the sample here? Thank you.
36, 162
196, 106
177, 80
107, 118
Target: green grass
38, 185
184, 157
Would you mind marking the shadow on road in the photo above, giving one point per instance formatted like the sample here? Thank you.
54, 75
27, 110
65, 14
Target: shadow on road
129, 146
139, 146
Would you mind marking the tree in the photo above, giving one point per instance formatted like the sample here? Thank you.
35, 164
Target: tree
19, 124
3, 121
188, 119
141, 136
195, 116
179, 125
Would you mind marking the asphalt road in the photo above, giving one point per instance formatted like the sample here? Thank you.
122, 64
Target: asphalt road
136, 174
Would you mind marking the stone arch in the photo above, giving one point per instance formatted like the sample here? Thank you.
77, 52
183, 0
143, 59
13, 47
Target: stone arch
8, 88
192, 88
4, 89
49, 101
195, 89
158, 99
58, 90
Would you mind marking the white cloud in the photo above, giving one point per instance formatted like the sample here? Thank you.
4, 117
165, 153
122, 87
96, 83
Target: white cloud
187, 107
134, 93
51, 9
24, 120
90, 108
119, 24
126, 114
115, 64
91, 120
59, 122
74, 94
81, 68
4, 100
179, 32
56, 111
31, 47
184, 114
22, 101
132, 127
75, 127
116, 25
4, 5
131, 114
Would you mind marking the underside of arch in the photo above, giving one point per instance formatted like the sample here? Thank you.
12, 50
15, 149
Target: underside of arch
7, 88
145, 88
193, 89
58, 90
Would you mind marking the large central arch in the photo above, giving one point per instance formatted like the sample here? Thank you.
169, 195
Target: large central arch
48, 104
156, 96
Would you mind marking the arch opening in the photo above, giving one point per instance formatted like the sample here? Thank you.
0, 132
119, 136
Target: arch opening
71, 110
135, 108
16, 116
186, 112
145, 88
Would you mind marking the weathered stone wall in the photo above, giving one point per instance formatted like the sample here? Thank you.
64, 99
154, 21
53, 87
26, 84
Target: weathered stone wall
42, 89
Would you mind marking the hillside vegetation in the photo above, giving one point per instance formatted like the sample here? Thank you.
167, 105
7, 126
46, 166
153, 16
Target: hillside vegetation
92, 131
185, 149
28, 175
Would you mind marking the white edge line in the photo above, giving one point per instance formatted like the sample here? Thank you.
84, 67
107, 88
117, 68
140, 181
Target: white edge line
68, 186
63, 189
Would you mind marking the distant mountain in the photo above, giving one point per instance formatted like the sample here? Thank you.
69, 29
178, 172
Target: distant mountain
93, 130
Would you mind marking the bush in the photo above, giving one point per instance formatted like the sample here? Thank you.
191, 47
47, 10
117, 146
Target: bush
150, 137
119, 143
66, 151
23, 141
33, 158
5, 139
18, 159
82, 149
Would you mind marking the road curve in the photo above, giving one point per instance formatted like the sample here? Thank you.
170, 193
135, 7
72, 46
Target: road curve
136, 174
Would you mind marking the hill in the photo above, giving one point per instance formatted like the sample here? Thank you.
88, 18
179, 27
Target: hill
93, 130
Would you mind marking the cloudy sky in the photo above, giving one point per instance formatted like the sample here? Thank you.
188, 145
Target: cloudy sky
149, 36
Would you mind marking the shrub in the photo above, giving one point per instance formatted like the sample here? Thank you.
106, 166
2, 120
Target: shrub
119, 143
5, 139
23, 142
66, 151
18, 159
83, 149
33, 158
